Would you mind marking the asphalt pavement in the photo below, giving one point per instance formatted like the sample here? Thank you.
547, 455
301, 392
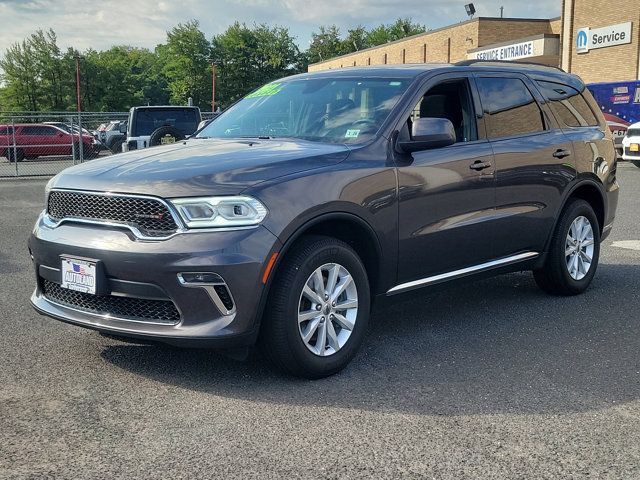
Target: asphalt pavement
491, 379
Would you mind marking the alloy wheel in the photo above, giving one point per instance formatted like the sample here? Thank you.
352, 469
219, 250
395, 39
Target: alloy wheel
327, 309
579, 248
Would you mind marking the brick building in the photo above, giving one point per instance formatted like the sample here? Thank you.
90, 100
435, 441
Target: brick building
591, 38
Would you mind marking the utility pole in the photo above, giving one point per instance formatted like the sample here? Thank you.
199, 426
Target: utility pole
78, 83
213, 87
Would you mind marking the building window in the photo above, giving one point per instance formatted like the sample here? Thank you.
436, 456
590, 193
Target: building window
369, 61
509, 107
404, 55
424, 53
385, 58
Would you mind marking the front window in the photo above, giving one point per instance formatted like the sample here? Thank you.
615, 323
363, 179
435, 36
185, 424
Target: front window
334, 110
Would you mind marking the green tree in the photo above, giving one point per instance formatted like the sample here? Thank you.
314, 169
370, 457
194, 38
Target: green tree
248, 57
325, 44
185, 60
401, 28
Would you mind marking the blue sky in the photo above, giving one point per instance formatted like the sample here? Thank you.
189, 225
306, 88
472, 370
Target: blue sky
103, 23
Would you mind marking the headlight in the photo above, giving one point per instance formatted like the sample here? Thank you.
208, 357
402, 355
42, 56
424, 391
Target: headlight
218, 212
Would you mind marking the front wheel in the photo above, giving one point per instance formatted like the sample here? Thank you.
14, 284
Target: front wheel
574, 252
318, 309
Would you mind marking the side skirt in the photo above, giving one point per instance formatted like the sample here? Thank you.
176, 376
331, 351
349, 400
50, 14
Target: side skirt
463, 272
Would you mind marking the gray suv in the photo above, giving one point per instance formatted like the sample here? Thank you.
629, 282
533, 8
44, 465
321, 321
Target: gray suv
281, 222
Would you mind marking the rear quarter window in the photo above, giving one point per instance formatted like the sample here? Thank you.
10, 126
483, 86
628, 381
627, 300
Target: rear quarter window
568, 105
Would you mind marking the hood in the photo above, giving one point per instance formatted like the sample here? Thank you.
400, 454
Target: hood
200, 167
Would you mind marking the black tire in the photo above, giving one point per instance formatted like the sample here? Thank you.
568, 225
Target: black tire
160, 136
636, 163
280, 339
116, 145
554, 277
15, 155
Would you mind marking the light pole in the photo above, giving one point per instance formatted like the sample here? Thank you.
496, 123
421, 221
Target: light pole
213, 86
78, 83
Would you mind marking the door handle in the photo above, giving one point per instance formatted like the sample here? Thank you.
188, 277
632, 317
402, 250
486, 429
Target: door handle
479, 165
560, 153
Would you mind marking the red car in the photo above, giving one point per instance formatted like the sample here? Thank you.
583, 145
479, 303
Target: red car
33, 140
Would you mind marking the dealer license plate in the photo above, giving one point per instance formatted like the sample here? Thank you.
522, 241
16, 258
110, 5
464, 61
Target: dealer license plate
79, 275
634, 147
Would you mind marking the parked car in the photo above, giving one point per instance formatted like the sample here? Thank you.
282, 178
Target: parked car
153, 126
631, 144
33, 140
281, 221
111, 136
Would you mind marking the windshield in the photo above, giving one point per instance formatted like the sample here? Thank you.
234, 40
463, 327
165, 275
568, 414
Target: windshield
344, 110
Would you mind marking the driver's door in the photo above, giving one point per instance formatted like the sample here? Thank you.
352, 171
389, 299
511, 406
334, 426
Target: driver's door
446, 195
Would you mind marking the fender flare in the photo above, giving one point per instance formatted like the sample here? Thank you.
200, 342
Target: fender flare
580, 182
290, 241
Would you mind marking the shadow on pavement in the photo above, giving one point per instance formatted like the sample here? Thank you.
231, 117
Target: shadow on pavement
493, 346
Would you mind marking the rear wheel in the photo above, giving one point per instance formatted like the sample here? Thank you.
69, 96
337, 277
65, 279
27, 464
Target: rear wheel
574, 252
318, 309
15, 155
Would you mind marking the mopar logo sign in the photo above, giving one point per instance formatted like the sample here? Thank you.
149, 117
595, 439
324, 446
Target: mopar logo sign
592, 38
582, 40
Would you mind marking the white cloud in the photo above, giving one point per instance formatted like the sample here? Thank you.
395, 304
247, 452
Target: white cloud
83, 24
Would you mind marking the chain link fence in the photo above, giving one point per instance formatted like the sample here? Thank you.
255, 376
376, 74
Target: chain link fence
45, 143
37, 143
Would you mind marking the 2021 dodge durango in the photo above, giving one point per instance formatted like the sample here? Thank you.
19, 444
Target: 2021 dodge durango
280, 222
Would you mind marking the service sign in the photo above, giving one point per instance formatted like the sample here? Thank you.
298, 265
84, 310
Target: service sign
507, 52
592, 38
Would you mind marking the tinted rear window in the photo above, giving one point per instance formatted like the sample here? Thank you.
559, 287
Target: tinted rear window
185, 120
509, 107
568, 105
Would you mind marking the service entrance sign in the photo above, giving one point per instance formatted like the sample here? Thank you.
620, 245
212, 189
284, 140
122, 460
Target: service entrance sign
592, 38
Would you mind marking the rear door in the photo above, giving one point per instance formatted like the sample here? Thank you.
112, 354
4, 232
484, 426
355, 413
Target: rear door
533, 161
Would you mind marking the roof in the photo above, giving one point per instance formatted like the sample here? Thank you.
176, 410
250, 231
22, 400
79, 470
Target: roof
411, 71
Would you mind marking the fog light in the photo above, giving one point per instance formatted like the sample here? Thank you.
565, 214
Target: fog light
200, 277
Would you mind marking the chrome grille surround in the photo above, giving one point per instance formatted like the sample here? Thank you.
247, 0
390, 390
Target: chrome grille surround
147, 217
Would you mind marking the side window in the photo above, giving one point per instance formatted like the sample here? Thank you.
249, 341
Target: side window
450, 100
568, 105
49, 131
39, 130
509, 107
6, 131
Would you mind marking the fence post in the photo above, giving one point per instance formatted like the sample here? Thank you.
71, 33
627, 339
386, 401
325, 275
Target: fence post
13, 139
80, 142
73, 143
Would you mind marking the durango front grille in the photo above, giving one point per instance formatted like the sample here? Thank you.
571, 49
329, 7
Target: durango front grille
149, 215
128, 308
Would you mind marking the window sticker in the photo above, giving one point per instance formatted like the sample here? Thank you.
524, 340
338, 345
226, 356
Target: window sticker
352, 133
266, 90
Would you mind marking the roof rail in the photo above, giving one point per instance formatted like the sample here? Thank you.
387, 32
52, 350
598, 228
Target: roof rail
467, 63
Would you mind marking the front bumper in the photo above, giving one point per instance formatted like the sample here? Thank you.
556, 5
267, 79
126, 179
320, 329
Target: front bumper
148, 271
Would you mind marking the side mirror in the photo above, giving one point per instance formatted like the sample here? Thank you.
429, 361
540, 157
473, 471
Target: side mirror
122, 128
429, 133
